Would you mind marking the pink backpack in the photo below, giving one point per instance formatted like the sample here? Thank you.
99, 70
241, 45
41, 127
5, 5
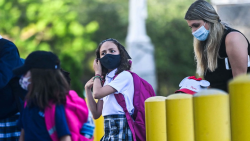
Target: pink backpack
76, 112
142, 91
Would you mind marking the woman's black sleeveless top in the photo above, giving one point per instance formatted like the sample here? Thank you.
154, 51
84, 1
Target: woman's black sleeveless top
222, 74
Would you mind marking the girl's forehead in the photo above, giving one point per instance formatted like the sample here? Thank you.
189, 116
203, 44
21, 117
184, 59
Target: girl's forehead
107, 45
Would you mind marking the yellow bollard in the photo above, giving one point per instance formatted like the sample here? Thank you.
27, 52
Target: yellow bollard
99, 128
155, 118
211, 116
239, 92
179, 111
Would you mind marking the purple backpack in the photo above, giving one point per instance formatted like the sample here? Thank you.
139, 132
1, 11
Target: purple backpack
142, 91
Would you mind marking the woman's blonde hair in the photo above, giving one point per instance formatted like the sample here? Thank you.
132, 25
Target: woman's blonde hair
206, 52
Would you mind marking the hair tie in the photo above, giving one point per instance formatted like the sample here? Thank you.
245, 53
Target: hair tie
130, 62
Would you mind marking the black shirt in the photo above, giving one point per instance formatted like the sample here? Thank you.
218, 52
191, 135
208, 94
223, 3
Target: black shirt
223, 73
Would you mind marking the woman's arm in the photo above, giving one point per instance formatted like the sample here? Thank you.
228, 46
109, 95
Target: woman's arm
237, 52
65, 138
21, 138
95, 108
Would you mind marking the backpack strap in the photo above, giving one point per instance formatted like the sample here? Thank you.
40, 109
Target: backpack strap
25, 104
121, 101
49, 117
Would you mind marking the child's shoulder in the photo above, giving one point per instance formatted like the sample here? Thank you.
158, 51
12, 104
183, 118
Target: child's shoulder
125, 74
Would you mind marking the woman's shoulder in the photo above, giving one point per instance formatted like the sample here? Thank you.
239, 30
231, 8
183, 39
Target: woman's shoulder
231, 33
236, 44
231, 37
235, 37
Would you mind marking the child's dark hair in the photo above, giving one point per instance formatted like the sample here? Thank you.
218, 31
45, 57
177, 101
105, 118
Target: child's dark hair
46, 86
125, 65
66, 75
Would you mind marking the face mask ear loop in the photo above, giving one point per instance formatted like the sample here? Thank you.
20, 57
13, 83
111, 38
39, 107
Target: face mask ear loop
27, 78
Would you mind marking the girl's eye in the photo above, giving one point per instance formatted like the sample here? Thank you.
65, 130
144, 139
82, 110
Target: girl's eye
112, 51
103, 53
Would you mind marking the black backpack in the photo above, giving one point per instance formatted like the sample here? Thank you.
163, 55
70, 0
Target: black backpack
18, 92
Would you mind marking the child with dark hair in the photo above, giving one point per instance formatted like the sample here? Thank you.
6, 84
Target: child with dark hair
45, 83
66, 75
111, 60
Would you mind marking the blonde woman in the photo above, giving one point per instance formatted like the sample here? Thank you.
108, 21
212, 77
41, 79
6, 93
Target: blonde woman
221, 52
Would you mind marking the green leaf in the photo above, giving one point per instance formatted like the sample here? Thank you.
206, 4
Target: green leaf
31, 11
2, 2
92, 27
76, 28
44, 46
59, 28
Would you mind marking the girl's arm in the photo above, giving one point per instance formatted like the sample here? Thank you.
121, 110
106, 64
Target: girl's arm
237, 52
21, 138
95, 108
65, 138
98, 90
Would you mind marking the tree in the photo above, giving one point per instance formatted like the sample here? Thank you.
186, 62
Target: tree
52, 26
165, 26
173, 41
73, 29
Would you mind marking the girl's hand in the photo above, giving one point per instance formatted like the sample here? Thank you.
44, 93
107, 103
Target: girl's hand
97, 67
89, 84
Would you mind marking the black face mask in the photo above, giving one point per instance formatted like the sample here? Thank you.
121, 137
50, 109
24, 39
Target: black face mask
110, 61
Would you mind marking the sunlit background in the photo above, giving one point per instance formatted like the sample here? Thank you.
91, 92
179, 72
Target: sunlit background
73, 28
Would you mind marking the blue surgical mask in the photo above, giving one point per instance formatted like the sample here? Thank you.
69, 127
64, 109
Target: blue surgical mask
201, 34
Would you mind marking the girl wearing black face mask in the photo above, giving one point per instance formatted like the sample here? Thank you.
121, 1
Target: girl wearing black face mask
112, 59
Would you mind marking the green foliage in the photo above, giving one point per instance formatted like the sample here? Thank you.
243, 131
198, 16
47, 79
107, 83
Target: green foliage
52, 26
73, 28
167, 29
173, 41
